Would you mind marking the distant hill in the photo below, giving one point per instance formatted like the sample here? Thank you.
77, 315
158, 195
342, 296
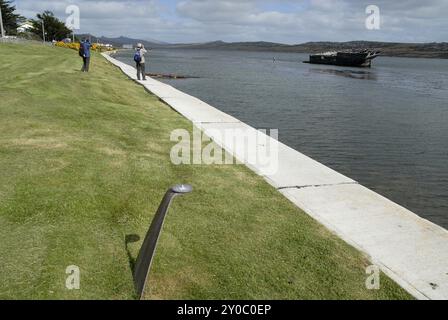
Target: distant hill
393, 49
120, 41
418, 50
252, 46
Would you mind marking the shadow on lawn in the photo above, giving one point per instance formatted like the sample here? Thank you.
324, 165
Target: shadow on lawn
131, 238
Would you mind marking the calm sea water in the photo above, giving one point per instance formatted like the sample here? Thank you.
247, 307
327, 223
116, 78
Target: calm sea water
386, 127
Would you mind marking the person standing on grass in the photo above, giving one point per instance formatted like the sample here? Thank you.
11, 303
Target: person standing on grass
84, 52
139, 59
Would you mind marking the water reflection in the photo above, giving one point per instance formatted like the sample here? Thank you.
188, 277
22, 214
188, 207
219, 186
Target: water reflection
354, 74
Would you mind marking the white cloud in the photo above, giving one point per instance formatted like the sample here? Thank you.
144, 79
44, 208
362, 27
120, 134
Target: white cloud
289, 21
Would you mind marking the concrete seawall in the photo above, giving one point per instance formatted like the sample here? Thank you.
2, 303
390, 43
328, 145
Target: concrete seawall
409, 249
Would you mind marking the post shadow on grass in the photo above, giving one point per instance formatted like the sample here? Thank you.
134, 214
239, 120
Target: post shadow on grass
141, 267
131, 238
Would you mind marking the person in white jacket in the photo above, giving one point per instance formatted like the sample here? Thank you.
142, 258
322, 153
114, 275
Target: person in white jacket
141, 64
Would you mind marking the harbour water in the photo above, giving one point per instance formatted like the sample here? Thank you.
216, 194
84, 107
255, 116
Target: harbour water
385, 127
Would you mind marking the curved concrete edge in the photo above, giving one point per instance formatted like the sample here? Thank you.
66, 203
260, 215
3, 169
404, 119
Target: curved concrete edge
409, 249
294, 169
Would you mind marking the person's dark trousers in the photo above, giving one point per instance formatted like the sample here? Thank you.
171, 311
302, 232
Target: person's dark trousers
86, 64
141, 71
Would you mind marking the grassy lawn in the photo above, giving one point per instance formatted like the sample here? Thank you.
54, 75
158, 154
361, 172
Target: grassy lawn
84, 163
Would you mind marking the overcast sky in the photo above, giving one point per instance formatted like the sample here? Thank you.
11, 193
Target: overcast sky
286, 21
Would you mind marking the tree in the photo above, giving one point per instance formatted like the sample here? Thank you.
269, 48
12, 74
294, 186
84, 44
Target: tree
54, 28
11, 20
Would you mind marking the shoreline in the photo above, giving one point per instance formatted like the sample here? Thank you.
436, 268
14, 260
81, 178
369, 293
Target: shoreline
307, 53
410, 56
406, 247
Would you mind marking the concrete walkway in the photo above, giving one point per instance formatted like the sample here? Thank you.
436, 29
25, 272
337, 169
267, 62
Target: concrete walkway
409, 249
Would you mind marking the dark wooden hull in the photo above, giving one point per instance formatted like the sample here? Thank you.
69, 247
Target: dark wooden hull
346, 59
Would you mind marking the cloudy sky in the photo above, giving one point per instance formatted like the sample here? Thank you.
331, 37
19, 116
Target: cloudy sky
286, 21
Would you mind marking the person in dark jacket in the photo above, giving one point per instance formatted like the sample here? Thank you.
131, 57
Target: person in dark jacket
86, 55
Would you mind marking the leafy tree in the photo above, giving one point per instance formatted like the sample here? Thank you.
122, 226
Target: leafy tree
54, 28
11, 20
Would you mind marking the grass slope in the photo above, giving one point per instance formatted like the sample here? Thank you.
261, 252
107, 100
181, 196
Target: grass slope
84, 163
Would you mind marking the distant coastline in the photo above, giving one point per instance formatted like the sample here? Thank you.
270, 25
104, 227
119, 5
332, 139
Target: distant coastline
435, 50
411, 50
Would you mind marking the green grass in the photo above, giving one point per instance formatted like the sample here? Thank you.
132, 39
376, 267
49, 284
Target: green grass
84, 163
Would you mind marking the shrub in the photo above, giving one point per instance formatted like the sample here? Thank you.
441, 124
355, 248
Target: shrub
76, 45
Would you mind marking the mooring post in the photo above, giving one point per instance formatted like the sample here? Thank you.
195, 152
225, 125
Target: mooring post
146, 254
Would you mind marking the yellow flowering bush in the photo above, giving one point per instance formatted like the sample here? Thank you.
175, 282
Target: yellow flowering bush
76, 45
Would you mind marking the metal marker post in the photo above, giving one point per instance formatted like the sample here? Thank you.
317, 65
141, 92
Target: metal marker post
43, 30
146, 254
